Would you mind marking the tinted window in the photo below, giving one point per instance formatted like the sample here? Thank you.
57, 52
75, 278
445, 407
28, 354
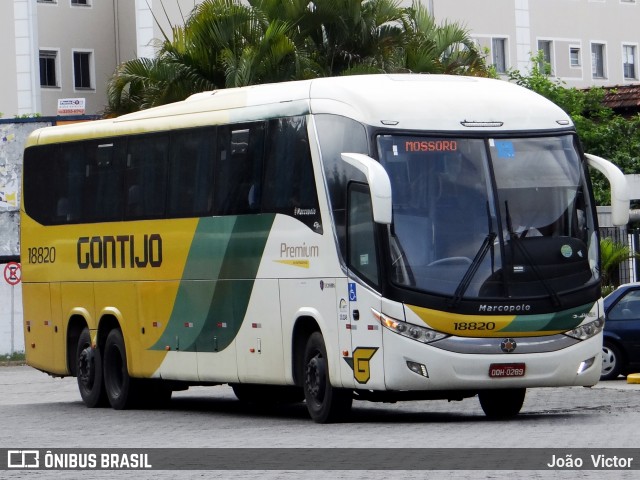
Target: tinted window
628, 307
239, 157
337, 135
289, 183
362, 238
146, 176
191, 173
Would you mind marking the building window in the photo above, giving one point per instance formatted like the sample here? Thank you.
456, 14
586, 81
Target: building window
546, 47
597, 60
629, 62
48, 68
48, 1
574, 55
498, 54
82, 70
80, 3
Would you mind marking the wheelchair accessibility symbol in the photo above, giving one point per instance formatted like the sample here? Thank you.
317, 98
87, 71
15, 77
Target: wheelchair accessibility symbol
353, 297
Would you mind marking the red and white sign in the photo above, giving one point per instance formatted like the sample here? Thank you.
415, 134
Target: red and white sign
12, 273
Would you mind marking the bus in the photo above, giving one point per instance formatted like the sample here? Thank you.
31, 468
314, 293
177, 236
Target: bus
376, 237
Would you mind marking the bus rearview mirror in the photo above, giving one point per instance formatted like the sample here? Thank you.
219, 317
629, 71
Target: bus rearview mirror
379, 185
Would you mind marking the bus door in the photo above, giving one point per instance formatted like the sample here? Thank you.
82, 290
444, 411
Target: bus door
365, 358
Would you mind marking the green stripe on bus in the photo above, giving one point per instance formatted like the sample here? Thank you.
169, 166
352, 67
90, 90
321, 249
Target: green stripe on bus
217, 282
564, 320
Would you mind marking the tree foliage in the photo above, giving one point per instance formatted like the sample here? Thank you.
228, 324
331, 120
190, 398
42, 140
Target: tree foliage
612, 254
601, 131
229, 43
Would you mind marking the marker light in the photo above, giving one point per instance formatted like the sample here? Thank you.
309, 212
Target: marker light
418, 368
585, 365
414, 332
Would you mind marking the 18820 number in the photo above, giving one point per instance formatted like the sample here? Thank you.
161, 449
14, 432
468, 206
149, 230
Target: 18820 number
42, 254
474, 326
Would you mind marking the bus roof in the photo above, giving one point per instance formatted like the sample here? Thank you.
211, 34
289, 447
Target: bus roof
441, 103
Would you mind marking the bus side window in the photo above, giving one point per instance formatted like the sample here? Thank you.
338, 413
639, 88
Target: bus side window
289, 183
146, 176
361, 238
239, 158
191, 162
105, 179
73, 188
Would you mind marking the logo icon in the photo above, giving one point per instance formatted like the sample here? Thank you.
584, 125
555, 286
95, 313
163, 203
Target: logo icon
23, 459
359, 363
508, 345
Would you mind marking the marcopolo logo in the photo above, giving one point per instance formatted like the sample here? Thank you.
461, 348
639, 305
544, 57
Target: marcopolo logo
505, 308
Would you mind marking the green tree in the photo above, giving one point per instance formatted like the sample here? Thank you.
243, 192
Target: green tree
601, 131
227, 43
447, 48
612, 254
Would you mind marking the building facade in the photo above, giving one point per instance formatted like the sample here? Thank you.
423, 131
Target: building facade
68, 49
586, 42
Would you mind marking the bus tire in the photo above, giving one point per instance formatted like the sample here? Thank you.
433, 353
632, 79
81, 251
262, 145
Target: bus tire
89, 372
502, 404
120, 387
325, 403
611, 361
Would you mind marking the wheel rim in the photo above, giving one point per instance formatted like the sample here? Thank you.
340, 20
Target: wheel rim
315, 378
86, 367
609, 360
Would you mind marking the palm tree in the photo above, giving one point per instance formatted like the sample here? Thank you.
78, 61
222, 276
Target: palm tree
446, 48
224, 43
229, 43
612, 254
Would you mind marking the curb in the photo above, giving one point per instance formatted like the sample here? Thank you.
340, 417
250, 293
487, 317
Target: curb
633, 378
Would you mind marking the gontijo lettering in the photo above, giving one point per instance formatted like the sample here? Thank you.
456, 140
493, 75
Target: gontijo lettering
120, 251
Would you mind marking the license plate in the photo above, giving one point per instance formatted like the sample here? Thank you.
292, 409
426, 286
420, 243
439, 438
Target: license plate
505, 370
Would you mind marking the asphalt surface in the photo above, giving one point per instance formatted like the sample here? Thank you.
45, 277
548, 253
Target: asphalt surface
37, 411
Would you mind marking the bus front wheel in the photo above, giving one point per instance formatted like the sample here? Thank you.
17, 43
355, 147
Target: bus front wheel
325, 403
89, 372
502, 404
120, 387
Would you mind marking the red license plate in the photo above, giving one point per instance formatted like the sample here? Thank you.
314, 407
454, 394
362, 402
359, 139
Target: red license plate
506, 370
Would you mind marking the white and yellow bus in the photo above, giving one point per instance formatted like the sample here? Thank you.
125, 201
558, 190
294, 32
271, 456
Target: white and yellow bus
382, 238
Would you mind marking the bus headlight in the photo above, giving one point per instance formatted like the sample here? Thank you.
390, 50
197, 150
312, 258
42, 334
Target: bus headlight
587, 330
414, 332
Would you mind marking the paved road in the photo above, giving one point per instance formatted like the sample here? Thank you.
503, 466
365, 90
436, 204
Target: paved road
37, 411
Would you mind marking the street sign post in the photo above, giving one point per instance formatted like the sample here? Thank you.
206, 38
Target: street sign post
13, 276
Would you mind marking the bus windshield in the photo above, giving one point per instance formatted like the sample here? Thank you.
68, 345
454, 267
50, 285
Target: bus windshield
489, 218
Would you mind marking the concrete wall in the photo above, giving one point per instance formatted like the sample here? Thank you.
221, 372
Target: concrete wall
13, 135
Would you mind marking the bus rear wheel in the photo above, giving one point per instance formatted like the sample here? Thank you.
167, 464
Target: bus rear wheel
325, 403
89, 372
120, 387
502, 404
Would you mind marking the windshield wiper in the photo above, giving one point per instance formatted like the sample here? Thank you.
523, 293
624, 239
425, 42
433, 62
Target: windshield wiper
487, 244
516, 240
